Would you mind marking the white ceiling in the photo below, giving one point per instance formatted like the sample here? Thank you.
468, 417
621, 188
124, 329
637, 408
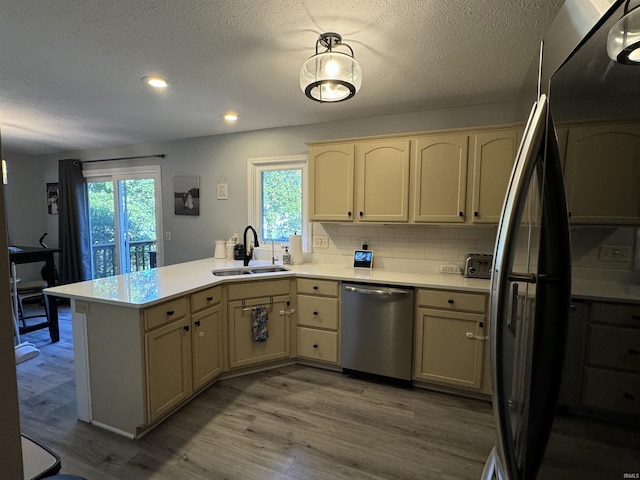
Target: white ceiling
70, 70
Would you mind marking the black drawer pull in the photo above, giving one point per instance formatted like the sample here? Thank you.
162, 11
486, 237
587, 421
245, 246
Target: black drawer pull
197, 323
349, 214
316, 313
361, 214
315, 345
475, 214
461, 214
315, 287
186, 328
450, 301
170, 312
209, 299
633, 351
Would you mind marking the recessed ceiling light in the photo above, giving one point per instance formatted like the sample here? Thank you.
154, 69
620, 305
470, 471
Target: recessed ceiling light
155, 82
230, 116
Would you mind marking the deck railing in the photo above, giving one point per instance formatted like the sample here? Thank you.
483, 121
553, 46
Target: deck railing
141, 254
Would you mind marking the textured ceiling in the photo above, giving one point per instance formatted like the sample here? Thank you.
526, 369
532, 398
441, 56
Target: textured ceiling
70, 70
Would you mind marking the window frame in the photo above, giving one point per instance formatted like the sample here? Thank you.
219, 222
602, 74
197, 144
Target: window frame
255, 167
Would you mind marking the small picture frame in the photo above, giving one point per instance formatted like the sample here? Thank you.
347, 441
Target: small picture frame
363, 259
52, 198
186, 195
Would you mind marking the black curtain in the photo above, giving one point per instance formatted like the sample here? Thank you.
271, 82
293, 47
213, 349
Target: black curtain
73, 223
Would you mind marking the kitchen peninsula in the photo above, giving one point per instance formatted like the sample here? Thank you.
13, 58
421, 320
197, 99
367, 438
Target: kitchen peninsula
148, 341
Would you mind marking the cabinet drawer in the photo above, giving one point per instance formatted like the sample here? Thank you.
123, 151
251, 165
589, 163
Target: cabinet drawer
614, 391
318, 344
616, 314
319, 312
448, 300
312, 286
253, 289
165, 312
205, 298
614, 347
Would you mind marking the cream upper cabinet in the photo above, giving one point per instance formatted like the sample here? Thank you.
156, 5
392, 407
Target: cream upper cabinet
440, 178
331, 168
602, 174
494, 153
382, 180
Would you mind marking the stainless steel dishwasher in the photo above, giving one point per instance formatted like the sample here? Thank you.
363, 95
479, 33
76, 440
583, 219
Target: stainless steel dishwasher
377, 330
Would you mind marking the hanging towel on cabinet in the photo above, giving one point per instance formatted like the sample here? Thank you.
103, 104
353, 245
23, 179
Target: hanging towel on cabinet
259, 317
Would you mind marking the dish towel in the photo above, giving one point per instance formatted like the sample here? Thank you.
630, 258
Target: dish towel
259, 317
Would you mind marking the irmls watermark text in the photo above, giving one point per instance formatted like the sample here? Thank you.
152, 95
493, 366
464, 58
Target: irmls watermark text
631, 475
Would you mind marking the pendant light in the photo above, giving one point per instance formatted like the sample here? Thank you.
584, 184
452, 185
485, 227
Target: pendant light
331, 76
623, 42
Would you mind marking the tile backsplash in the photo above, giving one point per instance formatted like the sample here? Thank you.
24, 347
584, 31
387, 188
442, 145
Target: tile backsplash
423, 247
426, 247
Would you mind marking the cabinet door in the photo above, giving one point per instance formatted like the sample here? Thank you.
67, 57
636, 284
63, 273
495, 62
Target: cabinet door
243, 350
382, 181
448, 349
168, 355
493, 155
331, 182
207, 346
440, 178
602, 174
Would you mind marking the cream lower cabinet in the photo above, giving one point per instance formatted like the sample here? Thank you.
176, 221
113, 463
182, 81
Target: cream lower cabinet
244, 349
602, 174
207, 337
168, 357
318, 314
450, 338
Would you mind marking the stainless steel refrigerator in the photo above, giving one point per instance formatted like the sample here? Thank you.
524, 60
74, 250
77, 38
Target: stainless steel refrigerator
575, 81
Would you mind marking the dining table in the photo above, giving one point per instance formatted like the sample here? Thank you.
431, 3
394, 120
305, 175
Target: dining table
25, 254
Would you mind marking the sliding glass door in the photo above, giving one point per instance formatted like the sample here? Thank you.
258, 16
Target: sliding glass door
125, 216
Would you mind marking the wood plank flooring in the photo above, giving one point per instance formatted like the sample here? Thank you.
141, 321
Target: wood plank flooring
295, 422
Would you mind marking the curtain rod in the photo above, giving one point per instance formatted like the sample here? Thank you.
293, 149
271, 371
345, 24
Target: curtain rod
157, 155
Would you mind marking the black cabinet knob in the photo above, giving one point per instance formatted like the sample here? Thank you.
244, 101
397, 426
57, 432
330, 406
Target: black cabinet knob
315, 345
361, 214
450, 301
170, 312
186, 328
197, 323
461, 214
349, 214
315, 313
209, 299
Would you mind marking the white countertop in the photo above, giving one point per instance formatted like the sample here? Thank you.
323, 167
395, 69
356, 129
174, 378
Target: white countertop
145, 288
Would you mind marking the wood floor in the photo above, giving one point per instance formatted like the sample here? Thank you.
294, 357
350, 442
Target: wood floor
295, 422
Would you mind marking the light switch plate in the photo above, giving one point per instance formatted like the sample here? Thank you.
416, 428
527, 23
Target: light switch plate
611, 253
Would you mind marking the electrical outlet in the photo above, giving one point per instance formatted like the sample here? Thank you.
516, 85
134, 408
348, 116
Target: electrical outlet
321, 242
82, 307
610, 253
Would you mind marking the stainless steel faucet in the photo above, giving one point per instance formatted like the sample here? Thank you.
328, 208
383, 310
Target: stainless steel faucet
248, 252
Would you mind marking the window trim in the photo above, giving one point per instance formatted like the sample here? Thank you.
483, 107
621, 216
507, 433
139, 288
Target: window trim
255, 167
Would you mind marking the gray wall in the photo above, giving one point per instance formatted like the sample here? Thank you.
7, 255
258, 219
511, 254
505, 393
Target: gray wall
213, 156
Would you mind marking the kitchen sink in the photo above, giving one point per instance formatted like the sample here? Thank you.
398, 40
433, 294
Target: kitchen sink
231, 272
268, 269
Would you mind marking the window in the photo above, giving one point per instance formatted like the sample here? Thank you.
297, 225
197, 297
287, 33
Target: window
277, 189
125, 213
